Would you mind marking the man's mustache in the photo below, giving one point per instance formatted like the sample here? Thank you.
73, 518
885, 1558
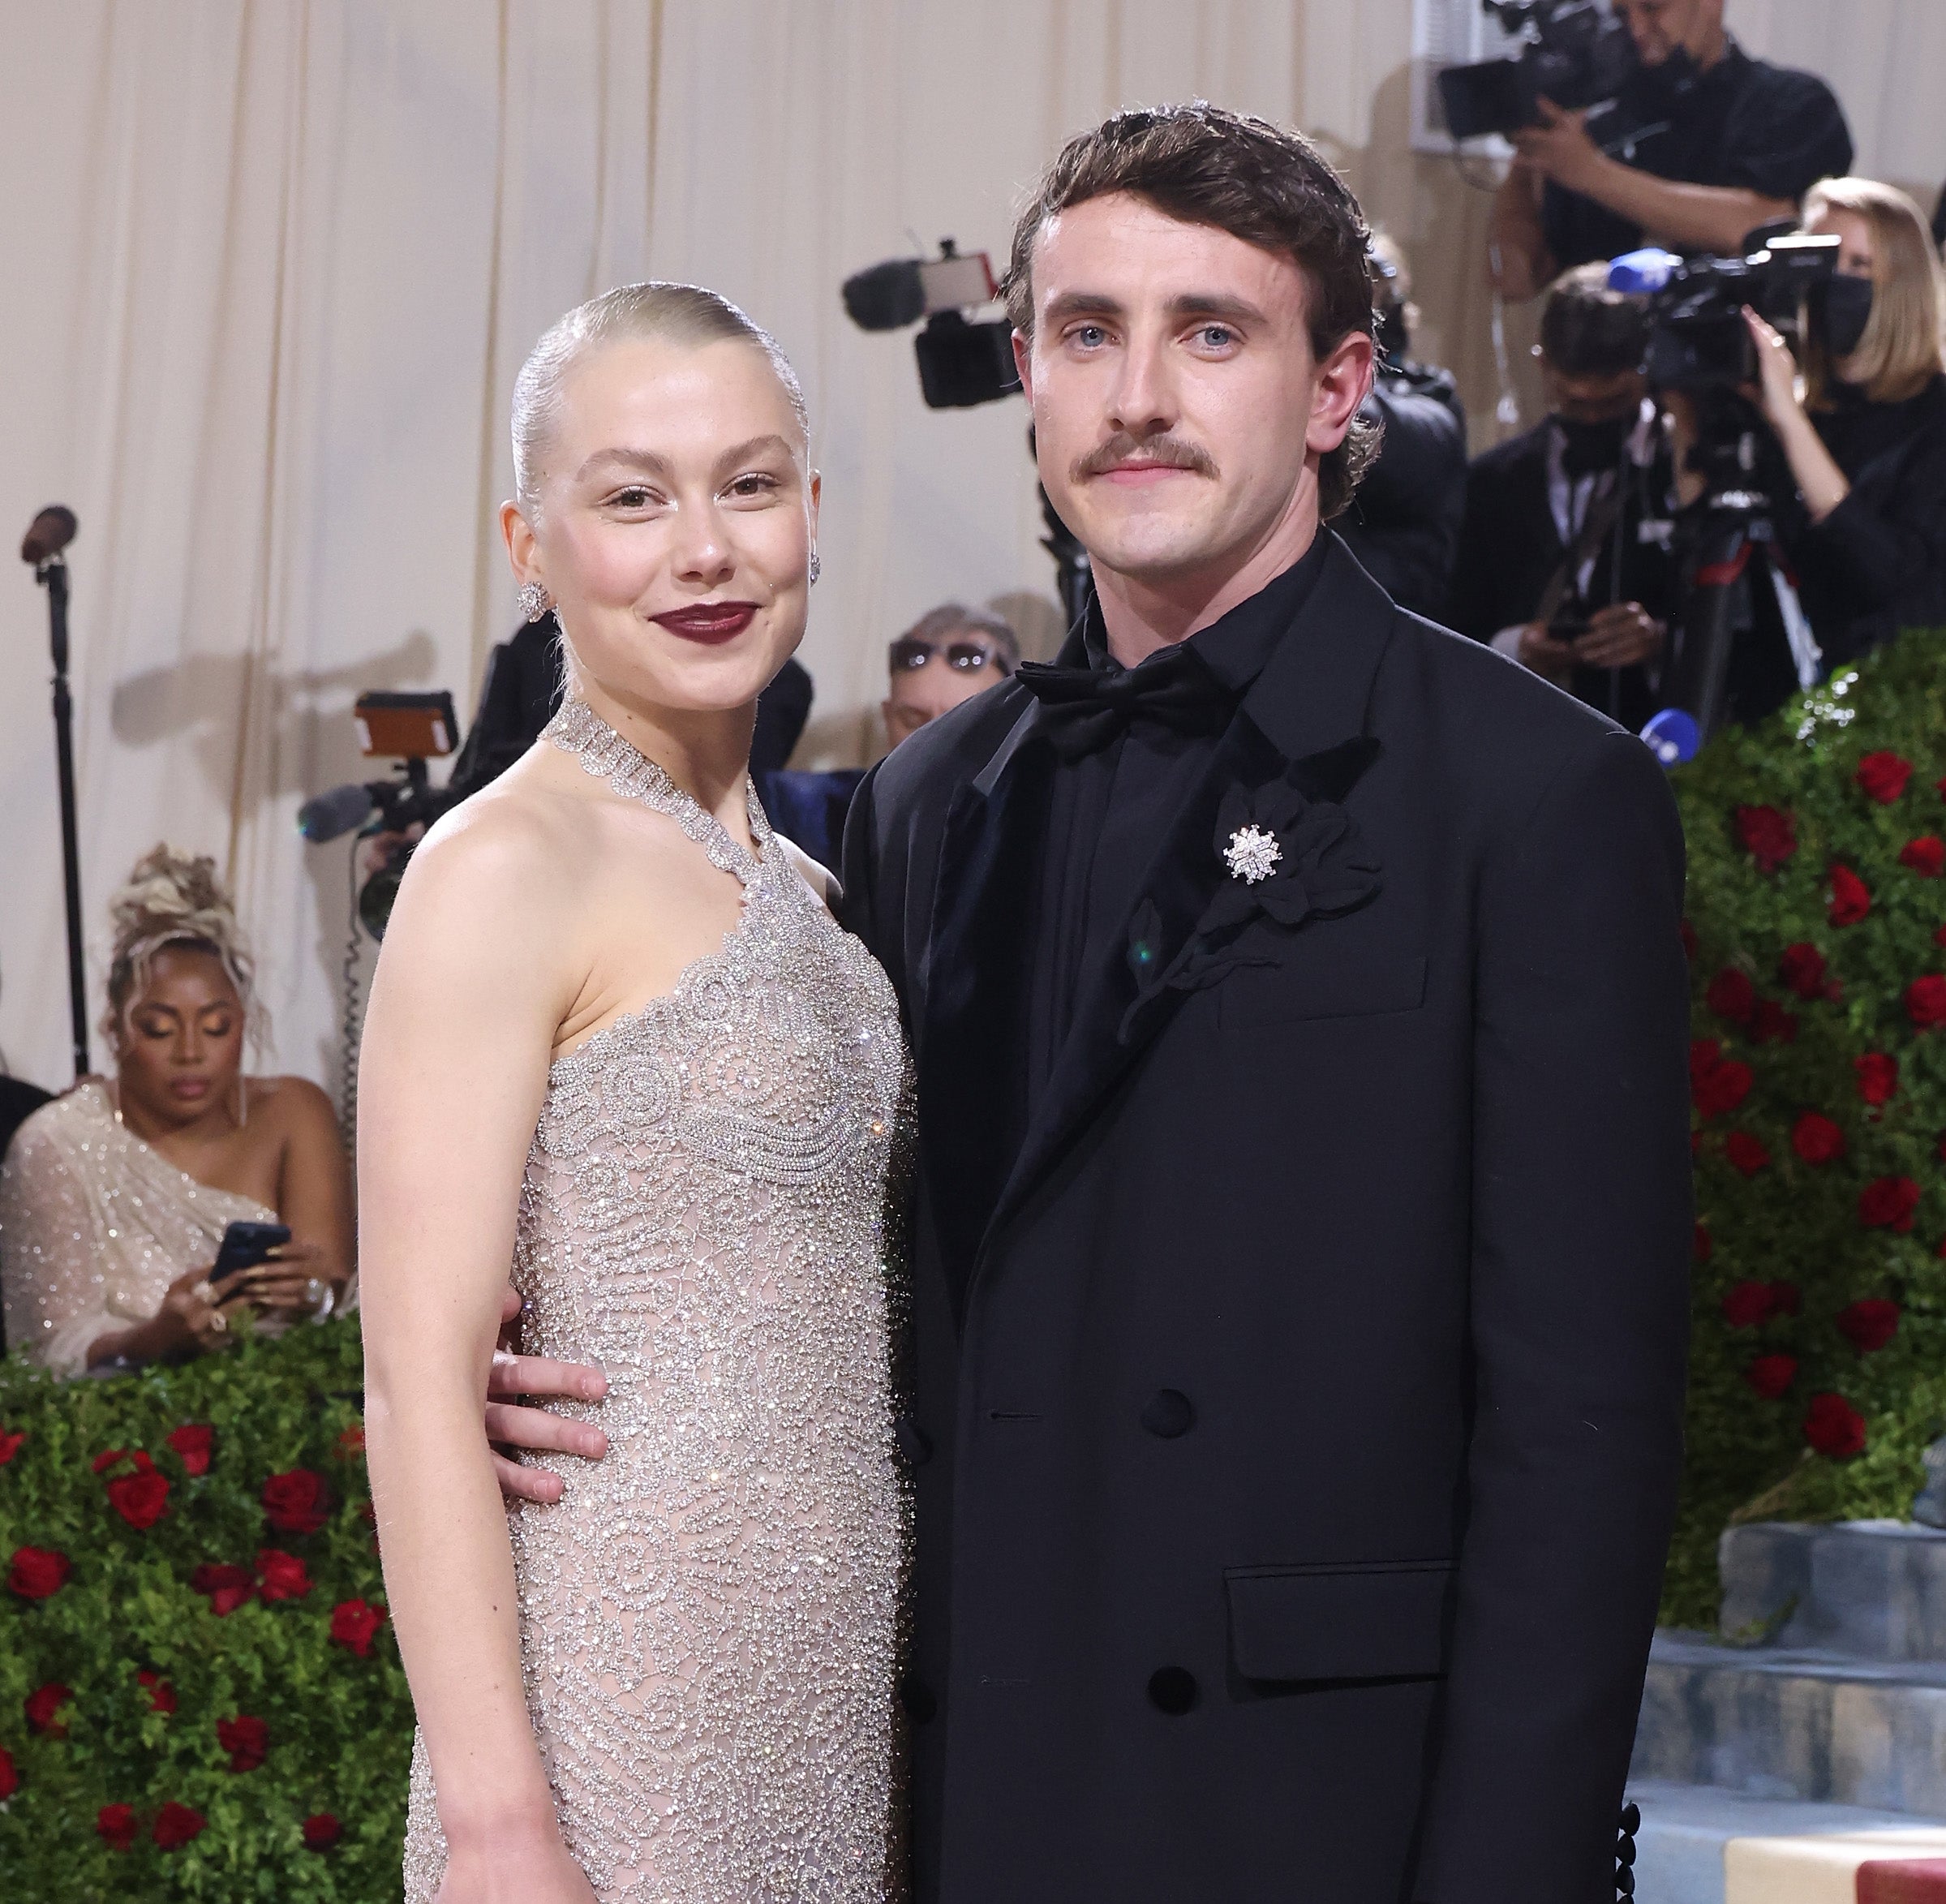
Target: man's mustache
1166, 452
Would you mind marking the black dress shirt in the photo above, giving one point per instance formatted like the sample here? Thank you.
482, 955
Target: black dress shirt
1110, 810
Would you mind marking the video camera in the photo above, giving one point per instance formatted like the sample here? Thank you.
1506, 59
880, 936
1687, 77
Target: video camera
961, 362
1574, 52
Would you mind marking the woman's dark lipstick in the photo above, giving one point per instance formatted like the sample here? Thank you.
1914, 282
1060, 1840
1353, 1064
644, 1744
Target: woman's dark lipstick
709, 622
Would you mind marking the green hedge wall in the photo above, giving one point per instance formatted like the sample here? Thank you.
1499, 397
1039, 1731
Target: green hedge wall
199, 1696
1817, 928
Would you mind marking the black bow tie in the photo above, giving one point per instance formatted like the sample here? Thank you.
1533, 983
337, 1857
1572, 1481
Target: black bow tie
1081, 710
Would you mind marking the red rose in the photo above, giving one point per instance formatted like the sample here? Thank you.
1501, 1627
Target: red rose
161, 1695
10, 1779
37, 1572
1850, 897
1882, 776
116, 1825
321, 1831
139, 1498
9, 1444
42, 1707
1786, 1299
1746, 1304
1834, 1428
1869, 1325
1878, 1076
1704, 1246
1887, 1203
228, 1587
1768, 836
1802, 969
281, 1575
175, 1825
109, 1457
1769, 1020
1925, 1001
1926, 855
1744, 1153
1771, 1375
1689, 939
1716, 1084
1816, 1139
1731, 995
191, 1444
246, 1739
355, 1622
295, 1503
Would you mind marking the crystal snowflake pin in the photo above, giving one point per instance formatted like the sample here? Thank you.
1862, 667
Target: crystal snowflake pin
1252, 854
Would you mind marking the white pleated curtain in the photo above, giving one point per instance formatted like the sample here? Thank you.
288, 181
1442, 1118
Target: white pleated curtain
271, 265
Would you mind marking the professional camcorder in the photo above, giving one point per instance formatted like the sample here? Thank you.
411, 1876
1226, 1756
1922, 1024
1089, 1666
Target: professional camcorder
961, 361
1574, 52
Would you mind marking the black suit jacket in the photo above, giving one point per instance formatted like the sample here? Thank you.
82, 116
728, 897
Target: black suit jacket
1298, 1395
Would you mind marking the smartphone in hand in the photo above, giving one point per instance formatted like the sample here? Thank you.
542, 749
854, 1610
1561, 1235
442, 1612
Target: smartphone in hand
246, 1244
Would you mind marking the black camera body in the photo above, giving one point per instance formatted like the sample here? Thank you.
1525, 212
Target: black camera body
1574, 52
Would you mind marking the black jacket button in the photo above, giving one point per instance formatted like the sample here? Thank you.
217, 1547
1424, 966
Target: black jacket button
914, 1443
1168, 1414
1171, 1689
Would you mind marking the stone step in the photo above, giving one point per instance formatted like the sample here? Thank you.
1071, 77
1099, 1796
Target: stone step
1802, 1723
1701, 1844
1874, 1588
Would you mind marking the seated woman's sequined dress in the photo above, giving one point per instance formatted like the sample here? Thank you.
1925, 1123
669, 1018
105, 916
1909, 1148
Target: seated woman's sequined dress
710, 1617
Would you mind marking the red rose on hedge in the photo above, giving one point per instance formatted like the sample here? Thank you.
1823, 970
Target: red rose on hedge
1769, 1020
9, 1444
1887, 1203
1769, 837
1816, 1139
175, 1825
1704, 1246
246, 1739
41, 1707
295, 1502
1882, 776
1747, 1304
1744, 1153
1772, 1375
1925, 1001
116, 1826
10, 1779
1878, 1076
161, 1695
1731, 995
1869, 1325
1850, 897
142, 1498
37, 1572
191, 1444
1802, 969
1834, 1428
1926, 855
1716, 1084
355, 1622
281, 1576
321, 1831
228, 1587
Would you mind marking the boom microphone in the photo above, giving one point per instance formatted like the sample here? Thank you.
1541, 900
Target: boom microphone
335, 813
48, 534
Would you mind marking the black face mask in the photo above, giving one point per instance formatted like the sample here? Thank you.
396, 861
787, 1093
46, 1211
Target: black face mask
1589, 449
1391, 334
1840, 308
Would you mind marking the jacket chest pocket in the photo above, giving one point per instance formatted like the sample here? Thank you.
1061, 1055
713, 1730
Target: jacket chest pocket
1377, 1620
1275, 994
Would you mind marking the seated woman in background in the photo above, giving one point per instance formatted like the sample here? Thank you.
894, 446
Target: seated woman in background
113, 1198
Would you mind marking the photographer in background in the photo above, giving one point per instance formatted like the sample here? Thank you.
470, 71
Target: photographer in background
1861, 516
1702, 145
1561, 565
1403, 523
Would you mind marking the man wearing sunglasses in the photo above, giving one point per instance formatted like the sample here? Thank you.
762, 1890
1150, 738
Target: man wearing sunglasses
947, 656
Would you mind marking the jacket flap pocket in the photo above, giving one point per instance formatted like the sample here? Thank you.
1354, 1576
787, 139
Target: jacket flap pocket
1383, 1620
1269, 994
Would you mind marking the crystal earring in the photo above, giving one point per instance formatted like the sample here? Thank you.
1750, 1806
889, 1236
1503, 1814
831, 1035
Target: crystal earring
817, 568
535, 600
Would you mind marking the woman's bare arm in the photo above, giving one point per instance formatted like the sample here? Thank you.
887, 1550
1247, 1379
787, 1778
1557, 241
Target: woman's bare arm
468, 993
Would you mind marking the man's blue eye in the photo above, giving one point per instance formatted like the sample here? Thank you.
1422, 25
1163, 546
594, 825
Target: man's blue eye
1215, 336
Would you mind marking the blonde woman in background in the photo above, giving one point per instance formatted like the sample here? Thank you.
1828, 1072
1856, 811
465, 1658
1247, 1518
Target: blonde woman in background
113, 1198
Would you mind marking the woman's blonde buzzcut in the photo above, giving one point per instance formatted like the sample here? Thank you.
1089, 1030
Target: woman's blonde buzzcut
1901, 348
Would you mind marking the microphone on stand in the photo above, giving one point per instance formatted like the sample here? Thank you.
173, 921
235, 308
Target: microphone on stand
329, 814
47, 535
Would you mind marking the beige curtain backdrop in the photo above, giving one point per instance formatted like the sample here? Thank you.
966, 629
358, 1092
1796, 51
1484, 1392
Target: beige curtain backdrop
271, 266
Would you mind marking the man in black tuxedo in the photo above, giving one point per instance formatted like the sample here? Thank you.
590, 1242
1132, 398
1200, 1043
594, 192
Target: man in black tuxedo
1300, 1247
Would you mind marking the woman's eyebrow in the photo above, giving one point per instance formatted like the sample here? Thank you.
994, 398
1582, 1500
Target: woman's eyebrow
645, 460
754, 446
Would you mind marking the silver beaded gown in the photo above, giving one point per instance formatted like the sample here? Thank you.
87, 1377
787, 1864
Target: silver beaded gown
710, 1618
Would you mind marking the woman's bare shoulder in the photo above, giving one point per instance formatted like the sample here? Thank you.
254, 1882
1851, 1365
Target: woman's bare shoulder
293, 1102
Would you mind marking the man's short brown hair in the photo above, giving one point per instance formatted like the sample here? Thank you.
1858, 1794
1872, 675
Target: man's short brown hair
1587, 330
1204, 166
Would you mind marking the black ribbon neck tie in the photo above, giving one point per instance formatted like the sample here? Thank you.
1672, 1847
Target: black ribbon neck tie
1082, 710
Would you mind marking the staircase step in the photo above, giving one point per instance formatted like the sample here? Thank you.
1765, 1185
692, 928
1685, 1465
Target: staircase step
1874, 1588
1701, 1845
1802, 1723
